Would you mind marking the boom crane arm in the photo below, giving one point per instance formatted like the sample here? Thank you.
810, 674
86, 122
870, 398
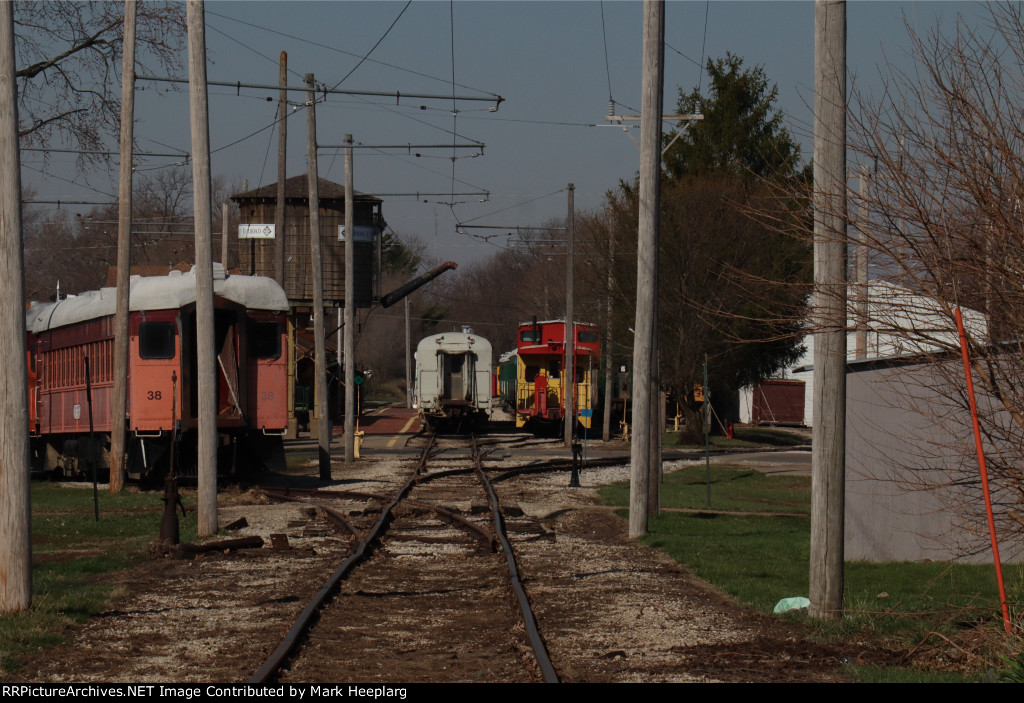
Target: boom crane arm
394, 296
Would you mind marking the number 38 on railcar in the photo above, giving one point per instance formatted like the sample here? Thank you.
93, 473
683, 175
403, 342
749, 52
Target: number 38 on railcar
251, 366
540, 385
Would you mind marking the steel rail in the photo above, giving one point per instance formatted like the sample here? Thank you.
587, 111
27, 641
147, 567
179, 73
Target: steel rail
539, 648
309, 614
367, 543
486, 538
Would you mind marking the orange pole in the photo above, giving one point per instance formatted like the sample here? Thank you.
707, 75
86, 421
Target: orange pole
983, 470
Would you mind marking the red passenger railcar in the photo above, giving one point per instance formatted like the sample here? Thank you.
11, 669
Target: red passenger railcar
66, 337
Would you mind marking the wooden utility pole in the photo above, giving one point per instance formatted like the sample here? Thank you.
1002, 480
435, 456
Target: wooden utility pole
646, 325
319, 331
408, 354
119, 399
282, 173
609, 394
202, 198
657, 410
828, 456
569, 368
350, 307
15, 499
224, 236
861, 341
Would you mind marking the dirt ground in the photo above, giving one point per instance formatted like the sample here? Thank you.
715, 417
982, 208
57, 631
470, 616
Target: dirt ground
610, 610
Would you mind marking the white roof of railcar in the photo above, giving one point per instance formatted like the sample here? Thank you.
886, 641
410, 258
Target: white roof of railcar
454, 341
169, 292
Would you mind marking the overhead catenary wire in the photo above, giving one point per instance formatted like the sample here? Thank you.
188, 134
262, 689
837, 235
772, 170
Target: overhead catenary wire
347, 53
374, 47
607, 66
510, 207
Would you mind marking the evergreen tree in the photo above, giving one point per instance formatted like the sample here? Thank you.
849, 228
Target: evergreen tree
742, 134
733, 282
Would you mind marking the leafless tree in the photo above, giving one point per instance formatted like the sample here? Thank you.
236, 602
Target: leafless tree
78, 251
69, 58
943, 223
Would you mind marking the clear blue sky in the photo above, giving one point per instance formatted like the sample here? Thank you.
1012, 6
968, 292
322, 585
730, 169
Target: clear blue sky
547, 59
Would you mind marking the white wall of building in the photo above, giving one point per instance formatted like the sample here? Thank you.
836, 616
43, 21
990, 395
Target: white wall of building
899, 324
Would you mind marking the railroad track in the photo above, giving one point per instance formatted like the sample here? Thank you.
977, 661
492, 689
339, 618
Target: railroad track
430, 590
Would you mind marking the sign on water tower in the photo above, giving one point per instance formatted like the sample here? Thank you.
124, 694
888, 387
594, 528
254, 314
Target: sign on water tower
363, 234
255, 231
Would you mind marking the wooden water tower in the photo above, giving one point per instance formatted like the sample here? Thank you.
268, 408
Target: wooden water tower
257, 251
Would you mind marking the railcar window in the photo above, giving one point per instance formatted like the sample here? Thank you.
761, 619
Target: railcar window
529, 336
555, 370
586, 336
264, 340
156, 340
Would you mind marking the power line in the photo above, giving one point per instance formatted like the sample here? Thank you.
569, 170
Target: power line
68, 180
693, 61
386, 32
346, 53
244, 45
607, 66
515, 205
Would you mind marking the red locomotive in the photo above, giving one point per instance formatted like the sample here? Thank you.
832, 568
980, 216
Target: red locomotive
249, 323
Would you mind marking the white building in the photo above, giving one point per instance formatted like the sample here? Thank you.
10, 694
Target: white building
899, 323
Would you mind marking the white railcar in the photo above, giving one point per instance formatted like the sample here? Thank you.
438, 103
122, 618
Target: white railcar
453, 380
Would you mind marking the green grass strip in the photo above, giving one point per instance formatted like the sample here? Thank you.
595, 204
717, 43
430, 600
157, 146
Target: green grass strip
71, 552
760, 559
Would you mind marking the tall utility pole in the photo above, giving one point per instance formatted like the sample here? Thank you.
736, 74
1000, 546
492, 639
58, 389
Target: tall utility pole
408, 354
646, 325
202, 198
119, 401
15, 513
608, 391
569, 368
319, 331
828, 456
282, 173
224, 235
350, 307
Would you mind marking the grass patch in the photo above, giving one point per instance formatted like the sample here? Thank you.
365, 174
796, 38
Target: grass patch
71, 551
732, 489
760, 559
